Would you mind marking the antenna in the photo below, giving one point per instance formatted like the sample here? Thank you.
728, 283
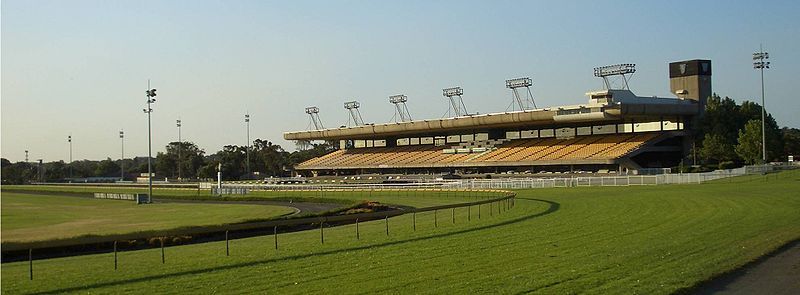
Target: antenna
456, 102
399, 102
614, 70
314, 113
514, 85
353, 106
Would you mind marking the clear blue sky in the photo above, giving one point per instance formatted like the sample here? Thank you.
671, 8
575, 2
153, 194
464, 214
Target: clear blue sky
81, 67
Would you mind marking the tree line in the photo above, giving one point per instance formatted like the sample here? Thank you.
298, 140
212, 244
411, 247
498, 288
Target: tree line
730, 135
179, 159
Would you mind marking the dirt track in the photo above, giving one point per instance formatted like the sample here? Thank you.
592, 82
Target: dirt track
775, 274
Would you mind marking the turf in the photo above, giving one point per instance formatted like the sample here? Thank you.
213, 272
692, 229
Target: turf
419, 199
651, 240
28, 217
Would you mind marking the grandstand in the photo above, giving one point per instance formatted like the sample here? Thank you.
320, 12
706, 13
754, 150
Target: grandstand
616, 130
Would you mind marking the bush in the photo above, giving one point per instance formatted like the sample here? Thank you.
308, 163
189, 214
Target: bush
727, 165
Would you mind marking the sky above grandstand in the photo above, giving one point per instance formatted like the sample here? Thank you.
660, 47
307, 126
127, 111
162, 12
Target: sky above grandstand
81, 67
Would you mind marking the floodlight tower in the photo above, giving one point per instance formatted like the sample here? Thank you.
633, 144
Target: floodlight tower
180, 144
353, 106
456, 102
69, 140
399, 102
614, 70
26, 156
759, 63
515, 84
314, 113
122, 155
247, 147
150, 93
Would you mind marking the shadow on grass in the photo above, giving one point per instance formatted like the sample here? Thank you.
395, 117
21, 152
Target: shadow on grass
553, 207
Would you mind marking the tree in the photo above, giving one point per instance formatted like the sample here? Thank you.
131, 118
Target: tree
791, 142
107, 168
717, 149
749, 147
190, 160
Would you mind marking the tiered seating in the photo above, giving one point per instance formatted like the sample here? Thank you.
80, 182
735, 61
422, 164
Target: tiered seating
591, 147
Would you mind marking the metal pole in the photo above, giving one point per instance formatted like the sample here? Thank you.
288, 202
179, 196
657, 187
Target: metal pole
30, 263
247, 147
122, 157
358, 235
275, 233
435, 221
414, 220
763, 124
149, 157
180, 143
321, 232
386, 218
227, 245
162, 250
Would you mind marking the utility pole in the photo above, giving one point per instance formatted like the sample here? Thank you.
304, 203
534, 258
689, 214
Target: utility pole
69, 140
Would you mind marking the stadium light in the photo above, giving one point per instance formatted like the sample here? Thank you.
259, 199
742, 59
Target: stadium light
69, 140
247, 147
180, 143
122, 155
401, 109
151, 94
355, 114
398, 98
760, 63
314, 113
519, 82
453, 91
611, 70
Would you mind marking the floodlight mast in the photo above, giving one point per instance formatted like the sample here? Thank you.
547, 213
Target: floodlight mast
759, 63
150, 93
122, 155
515, 84
614, 70
314, 113
456, 102
399, 102
353, 106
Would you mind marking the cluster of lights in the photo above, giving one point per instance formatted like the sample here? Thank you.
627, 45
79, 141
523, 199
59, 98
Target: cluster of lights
453, 91
519, 82
759, 62
312, 110
398, 98
351, 105
611, 70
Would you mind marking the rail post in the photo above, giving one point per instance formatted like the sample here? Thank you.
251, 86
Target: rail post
115, 255
321, 232
30, 263
479, 211
469, 213
435, 217
454, 215
275, 233
162, 251
227, 245
414, 220
386, 219
358, 234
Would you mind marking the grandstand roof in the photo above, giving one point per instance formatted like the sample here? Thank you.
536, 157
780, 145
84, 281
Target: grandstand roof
620, 103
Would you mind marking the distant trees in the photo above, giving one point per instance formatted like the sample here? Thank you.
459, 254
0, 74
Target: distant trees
184, 156
724, 137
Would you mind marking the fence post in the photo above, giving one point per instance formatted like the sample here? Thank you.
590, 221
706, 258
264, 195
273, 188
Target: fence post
435, 222
321, 232
227, 246
162, 251
491, 209
469, 213
30, 263
479, 211
454, 215
275, 233
414, 220
386, 218
115, 255
358, 234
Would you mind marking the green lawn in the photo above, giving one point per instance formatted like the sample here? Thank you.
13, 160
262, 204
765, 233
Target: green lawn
29, 217
417, 199
648, 240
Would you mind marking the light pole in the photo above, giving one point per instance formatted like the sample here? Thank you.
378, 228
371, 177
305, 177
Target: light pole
69, 140
247, 147
26, 156
151, 93
122, 156
760, 64
180, 143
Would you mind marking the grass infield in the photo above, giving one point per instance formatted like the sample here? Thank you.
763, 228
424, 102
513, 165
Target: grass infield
647, 239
